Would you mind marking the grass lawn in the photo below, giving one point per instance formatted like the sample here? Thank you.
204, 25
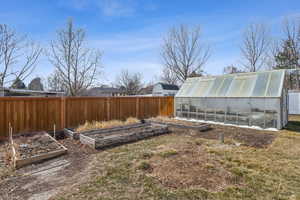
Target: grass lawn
184, 166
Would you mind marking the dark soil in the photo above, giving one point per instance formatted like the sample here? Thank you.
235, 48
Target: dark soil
34, 144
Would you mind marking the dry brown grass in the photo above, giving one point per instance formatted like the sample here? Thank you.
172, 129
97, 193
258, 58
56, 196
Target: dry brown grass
106, 124
131, 120
184, 165
5, 161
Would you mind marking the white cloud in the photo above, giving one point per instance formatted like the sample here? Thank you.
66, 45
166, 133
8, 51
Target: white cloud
75, 4
117, 7
126, 44
224, 37
110, 8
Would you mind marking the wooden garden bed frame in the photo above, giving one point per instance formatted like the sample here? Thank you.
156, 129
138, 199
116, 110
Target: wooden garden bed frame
113, 137
18, 163
76, 135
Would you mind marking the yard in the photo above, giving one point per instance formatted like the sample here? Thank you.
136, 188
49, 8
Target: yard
184, 164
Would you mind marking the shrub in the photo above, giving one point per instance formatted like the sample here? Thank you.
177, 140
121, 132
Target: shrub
144, 166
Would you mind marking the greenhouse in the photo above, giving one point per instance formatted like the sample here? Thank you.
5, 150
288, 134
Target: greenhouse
251, 99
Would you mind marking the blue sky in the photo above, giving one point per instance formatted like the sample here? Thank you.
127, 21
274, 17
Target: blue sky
129, 32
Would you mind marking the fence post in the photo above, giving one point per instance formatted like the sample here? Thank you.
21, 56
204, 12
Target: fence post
137, 107
63, 112
108, 108
159, 106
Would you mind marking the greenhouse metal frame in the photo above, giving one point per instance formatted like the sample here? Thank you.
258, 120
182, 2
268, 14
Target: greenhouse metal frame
251, 99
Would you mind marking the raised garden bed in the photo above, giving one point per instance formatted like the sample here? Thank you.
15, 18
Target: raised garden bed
35, 147
112, 136
181, 124
75, 135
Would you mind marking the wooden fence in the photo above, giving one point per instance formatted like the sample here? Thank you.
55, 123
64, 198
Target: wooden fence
27, 114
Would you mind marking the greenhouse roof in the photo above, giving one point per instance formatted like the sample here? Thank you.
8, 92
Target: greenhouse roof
254, 84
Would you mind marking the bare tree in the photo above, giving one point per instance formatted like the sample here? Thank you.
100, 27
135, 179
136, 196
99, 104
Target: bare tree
77, 65
55, 82
18, 84
18, 55
131, 83
273, 51
183, 52
255, 46
168, 77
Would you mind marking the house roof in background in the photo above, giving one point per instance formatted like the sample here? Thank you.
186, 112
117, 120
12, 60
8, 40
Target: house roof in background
166, 86
102, 90
30, 91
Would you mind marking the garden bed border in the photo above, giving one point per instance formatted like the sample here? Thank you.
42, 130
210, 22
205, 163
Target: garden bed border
76, 135
18, 163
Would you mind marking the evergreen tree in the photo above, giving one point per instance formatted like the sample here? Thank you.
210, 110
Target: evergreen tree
286, 58
289, 58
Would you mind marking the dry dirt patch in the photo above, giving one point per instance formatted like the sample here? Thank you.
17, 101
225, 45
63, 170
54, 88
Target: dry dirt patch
189, 166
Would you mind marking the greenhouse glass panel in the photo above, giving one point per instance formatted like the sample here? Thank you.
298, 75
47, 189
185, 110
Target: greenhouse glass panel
203, 88
273, 89
217, 83
192, 89
225, 86
197, 87
187, 89
261, 84
235, 88
247, 86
